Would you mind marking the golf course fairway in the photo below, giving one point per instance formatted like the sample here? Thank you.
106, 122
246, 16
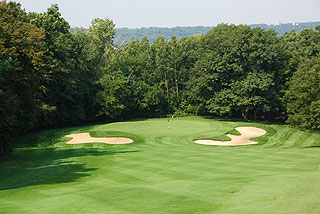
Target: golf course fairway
163, 170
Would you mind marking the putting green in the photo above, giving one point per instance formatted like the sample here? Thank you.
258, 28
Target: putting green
163, 171
159, 127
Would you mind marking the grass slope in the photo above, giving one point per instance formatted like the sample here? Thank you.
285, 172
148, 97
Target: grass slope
163, 171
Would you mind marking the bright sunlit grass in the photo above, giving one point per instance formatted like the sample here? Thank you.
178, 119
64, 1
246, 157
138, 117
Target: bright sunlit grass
163, 171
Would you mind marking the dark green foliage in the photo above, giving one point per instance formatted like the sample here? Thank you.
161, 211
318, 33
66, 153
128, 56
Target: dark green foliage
59, 67
124, 35
74, 64
50, 77
21, 61
303, 95
112, 95
237, 72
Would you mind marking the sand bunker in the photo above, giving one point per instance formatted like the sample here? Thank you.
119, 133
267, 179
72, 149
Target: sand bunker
86, 138
244, 139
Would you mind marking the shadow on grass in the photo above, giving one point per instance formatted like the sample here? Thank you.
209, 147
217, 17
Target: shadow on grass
51, 137
265, 122
308, 147
46, 166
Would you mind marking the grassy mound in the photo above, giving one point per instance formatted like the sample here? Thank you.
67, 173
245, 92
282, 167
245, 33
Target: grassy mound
163, 171
223, 137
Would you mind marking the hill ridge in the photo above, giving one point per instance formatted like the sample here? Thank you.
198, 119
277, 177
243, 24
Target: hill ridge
124, 34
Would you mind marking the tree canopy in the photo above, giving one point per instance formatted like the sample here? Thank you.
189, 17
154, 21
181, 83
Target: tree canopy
53, 77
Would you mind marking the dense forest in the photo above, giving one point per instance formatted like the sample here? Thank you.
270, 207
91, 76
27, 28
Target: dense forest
50, 77
124, 35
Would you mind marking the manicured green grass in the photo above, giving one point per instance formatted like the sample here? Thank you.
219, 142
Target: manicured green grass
222, 137
163, 171
233, 132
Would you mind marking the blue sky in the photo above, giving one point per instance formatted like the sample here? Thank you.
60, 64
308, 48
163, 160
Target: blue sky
171, 13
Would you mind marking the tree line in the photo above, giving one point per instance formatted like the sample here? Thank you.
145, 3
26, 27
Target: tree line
124, 35
50, 77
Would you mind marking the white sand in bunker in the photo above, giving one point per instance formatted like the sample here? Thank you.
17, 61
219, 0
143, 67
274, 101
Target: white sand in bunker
86, 138
237, 140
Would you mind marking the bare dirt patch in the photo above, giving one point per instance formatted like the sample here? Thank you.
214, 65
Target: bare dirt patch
244, 139
86, 138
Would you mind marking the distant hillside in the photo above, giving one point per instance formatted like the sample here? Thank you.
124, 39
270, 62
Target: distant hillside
125, 35
283, 28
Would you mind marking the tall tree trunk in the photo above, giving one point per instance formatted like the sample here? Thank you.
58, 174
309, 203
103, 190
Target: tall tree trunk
167, 88
177, 84
255, 114
245, 115
4, 149
177, 90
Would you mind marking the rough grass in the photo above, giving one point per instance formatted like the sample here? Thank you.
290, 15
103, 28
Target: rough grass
233, 132
163, 171
223, 137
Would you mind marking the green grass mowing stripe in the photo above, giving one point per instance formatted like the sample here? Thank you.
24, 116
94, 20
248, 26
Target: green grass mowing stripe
187, 166
260, 196
161, 169
280, 137
165, 174
118, 196
312, 141
291, 141
180, 167
304, 137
